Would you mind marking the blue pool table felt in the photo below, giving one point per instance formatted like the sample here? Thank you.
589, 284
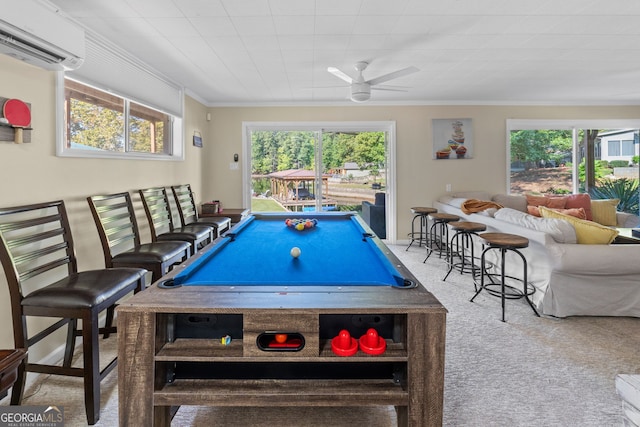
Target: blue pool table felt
257, 252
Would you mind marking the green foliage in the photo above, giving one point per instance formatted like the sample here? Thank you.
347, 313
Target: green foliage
625, 189
618, 164
602, 170
635, 160
537, 145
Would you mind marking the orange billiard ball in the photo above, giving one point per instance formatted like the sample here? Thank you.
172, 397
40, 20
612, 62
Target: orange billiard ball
281, 338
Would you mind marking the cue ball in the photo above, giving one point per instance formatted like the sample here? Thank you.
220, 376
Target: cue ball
295, 252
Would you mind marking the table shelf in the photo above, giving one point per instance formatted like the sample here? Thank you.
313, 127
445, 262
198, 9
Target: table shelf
281, 393
210, 350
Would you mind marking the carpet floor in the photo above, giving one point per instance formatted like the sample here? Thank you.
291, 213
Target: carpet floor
528, 371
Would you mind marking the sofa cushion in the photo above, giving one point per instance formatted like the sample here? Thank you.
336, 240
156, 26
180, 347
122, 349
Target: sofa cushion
604, 211
580, 201
587, 232
578, 213
511, 201
555, 202
560, 231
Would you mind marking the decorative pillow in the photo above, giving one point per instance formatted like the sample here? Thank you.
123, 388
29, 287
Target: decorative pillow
555, 202
560, 231
580, 201
587, 232
511, 201
578, 213
604, 211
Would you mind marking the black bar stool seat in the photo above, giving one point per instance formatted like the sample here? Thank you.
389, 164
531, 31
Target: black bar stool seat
439, 233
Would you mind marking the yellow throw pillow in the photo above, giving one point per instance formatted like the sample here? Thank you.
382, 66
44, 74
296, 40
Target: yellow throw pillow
604, 211
587, 232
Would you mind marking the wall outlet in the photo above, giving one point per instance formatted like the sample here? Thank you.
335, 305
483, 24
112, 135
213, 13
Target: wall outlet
448, 188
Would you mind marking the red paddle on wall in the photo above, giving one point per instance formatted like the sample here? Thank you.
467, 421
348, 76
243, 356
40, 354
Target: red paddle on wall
18, 115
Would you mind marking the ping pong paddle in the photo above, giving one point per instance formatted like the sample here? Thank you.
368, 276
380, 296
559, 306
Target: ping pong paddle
18, 115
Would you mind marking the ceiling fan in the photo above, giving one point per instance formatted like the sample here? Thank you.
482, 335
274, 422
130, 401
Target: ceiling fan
361, 88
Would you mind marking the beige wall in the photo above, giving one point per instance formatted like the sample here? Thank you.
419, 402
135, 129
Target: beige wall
31, 173
420, 179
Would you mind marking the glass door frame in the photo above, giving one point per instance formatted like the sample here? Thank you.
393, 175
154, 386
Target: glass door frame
389, 127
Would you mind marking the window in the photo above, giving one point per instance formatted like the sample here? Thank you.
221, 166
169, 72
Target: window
101, 114
98, 121
572, 156
614, 148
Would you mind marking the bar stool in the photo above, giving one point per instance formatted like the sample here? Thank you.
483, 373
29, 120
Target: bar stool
439, 233
462, 241
421, 213
505, 243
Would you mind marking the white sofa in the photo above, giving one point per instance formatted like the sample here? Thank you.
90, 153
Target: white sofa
570, 279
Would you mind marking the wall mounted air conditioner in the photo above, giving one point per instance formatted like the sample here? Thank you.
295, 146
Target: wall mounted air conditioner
34, 32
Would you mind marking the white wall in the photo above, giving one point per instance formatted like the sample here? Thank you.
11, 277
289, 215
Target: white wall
420, 179
31, 173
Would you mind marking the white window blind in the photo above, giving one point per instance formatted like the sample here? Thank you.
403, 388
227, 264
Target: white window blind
109, 68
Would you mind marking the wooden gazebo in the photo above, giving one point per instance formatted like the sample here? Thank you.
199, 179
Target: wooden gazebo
295, 184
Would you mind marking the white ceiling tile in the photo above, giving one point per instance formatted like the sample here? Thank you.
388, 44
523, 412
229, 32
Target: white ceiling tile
292, 7
201, 8
338, 7
253, 25
214, 26
334, 24
298, 25
247, 7
173, 27
155, 8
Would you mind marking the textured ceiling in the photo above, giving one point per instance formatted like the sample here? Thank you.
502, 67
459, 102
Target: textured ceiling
272, 52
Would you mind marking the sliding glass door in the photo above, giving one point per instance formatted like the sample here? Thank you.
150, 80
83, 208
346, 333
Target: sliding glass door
313, 167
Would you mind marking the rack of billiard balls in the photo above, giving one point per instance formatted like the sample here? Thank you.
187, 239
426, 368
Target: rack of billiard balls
301, 224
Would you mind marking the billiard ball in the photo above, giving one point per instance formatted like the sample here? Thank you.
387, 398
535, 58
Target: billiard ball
295, 252
300, 226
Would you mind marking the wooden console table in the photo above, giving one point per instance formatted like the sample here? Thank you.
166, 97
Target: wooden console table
236, 214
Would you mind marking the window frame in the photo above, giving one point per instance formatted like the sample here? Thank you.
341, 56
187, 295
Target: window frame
364, 126
563, 124
176, 142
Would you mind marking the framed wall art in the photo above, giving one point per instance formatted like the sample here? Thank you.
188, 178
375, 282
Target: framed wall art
452, 139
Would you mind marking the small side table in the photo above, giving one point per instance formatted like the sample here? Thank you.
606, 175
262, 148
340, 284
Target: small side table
9, 362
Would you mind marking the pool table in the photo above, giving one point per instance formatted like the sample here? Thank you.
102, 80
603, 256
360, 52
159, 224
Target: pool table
209, 333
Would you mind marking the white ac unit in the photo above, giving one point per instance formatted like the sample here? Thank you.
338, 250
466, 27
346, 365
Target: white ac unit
36, 33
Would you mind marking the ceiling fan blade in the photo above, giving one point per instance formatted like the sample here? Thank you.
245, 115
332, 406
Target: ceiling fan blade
394, 75
390, 89
340, 74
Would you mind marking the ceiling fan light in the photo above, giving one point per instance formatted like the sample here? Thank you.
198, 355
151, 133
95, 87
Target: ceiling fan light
360, 92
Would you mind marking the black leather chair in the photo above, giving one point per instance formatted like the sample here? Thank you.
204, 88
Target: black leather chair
158, 210
118, 229
189, 213
374, 215
38, 256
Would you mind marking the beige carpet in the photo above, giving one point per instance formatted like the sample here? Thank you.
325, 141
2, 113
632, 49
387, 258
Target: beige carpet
528, 371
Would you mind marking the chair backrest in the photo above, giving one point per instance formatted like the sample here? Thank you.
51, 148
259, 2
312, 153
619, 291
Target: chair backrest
185, 203
116, 222
36, 247
158, 210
